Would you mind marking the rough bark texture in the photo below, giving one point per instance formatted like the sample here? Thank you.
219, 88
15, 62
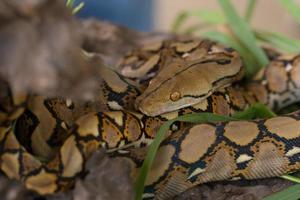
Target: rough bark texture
107, 179
41, 50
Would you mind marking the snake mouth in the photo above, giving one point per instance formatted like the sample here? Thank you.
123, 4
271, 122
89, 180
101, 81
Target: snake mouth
153, 109
148, 108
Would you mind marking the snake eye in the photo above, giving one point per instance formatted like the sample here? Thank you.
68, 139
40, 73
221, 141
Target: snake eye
175, 96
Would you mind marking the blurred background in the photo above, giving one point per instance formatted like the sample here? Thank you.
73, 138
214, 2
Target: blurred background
149, 15
136, 14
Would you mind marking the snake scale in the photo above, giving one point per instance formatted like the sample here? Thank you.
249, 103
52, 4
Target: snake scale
45, 142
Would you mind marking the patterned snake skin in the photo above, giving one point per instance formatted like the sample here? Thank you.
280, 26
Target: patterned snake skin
45, 142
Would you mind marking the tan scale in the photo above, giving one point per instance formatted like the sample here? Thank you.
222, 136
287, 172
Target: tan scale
116, 116
29, 163
259, 91
43, 183
53, 165
89, 147
202, 105
220, 105
249, 97
110, 133
170, 115
241, 132
88, 125
153, 46
62, 109
141, 71
44, 129
196, 143
285, 127
236, 97
182, 47
113, 81
133, 129
277, 77
177, 182
268, 161
152, 125
10, 165
160, 164
11, 141
220, 166
71, 158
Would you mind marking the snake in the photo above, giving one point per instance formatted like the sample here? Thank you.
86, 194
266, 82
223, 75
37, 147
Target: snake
45, 142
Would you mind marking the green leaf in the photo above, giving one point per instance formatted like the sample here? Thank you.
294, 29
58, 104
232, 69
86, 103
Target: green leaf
249, 10
206, 16
291, 178
179, 21
243, 33
70, 3
292, 7
75, 9
256, 109
291, 193
78, 8
280, 41
225, 39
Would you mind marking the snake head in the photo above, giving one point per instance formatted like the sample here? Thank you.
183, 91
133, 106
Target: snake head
182, 84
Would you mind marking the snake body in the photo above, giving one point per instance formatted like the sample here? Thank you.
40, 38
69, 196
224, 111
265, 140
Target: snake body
192, 154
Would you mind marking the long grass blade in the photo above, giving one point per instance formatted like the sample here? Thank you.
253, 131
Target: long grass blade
70, 3
205, 16
78, 8
179, 21
280, 41
291, 178
243, 33
255, 111
249, 10
292, 7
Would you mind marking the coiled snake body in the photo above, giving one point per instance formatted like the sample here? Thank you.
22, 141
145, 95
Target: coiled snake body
185, 76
